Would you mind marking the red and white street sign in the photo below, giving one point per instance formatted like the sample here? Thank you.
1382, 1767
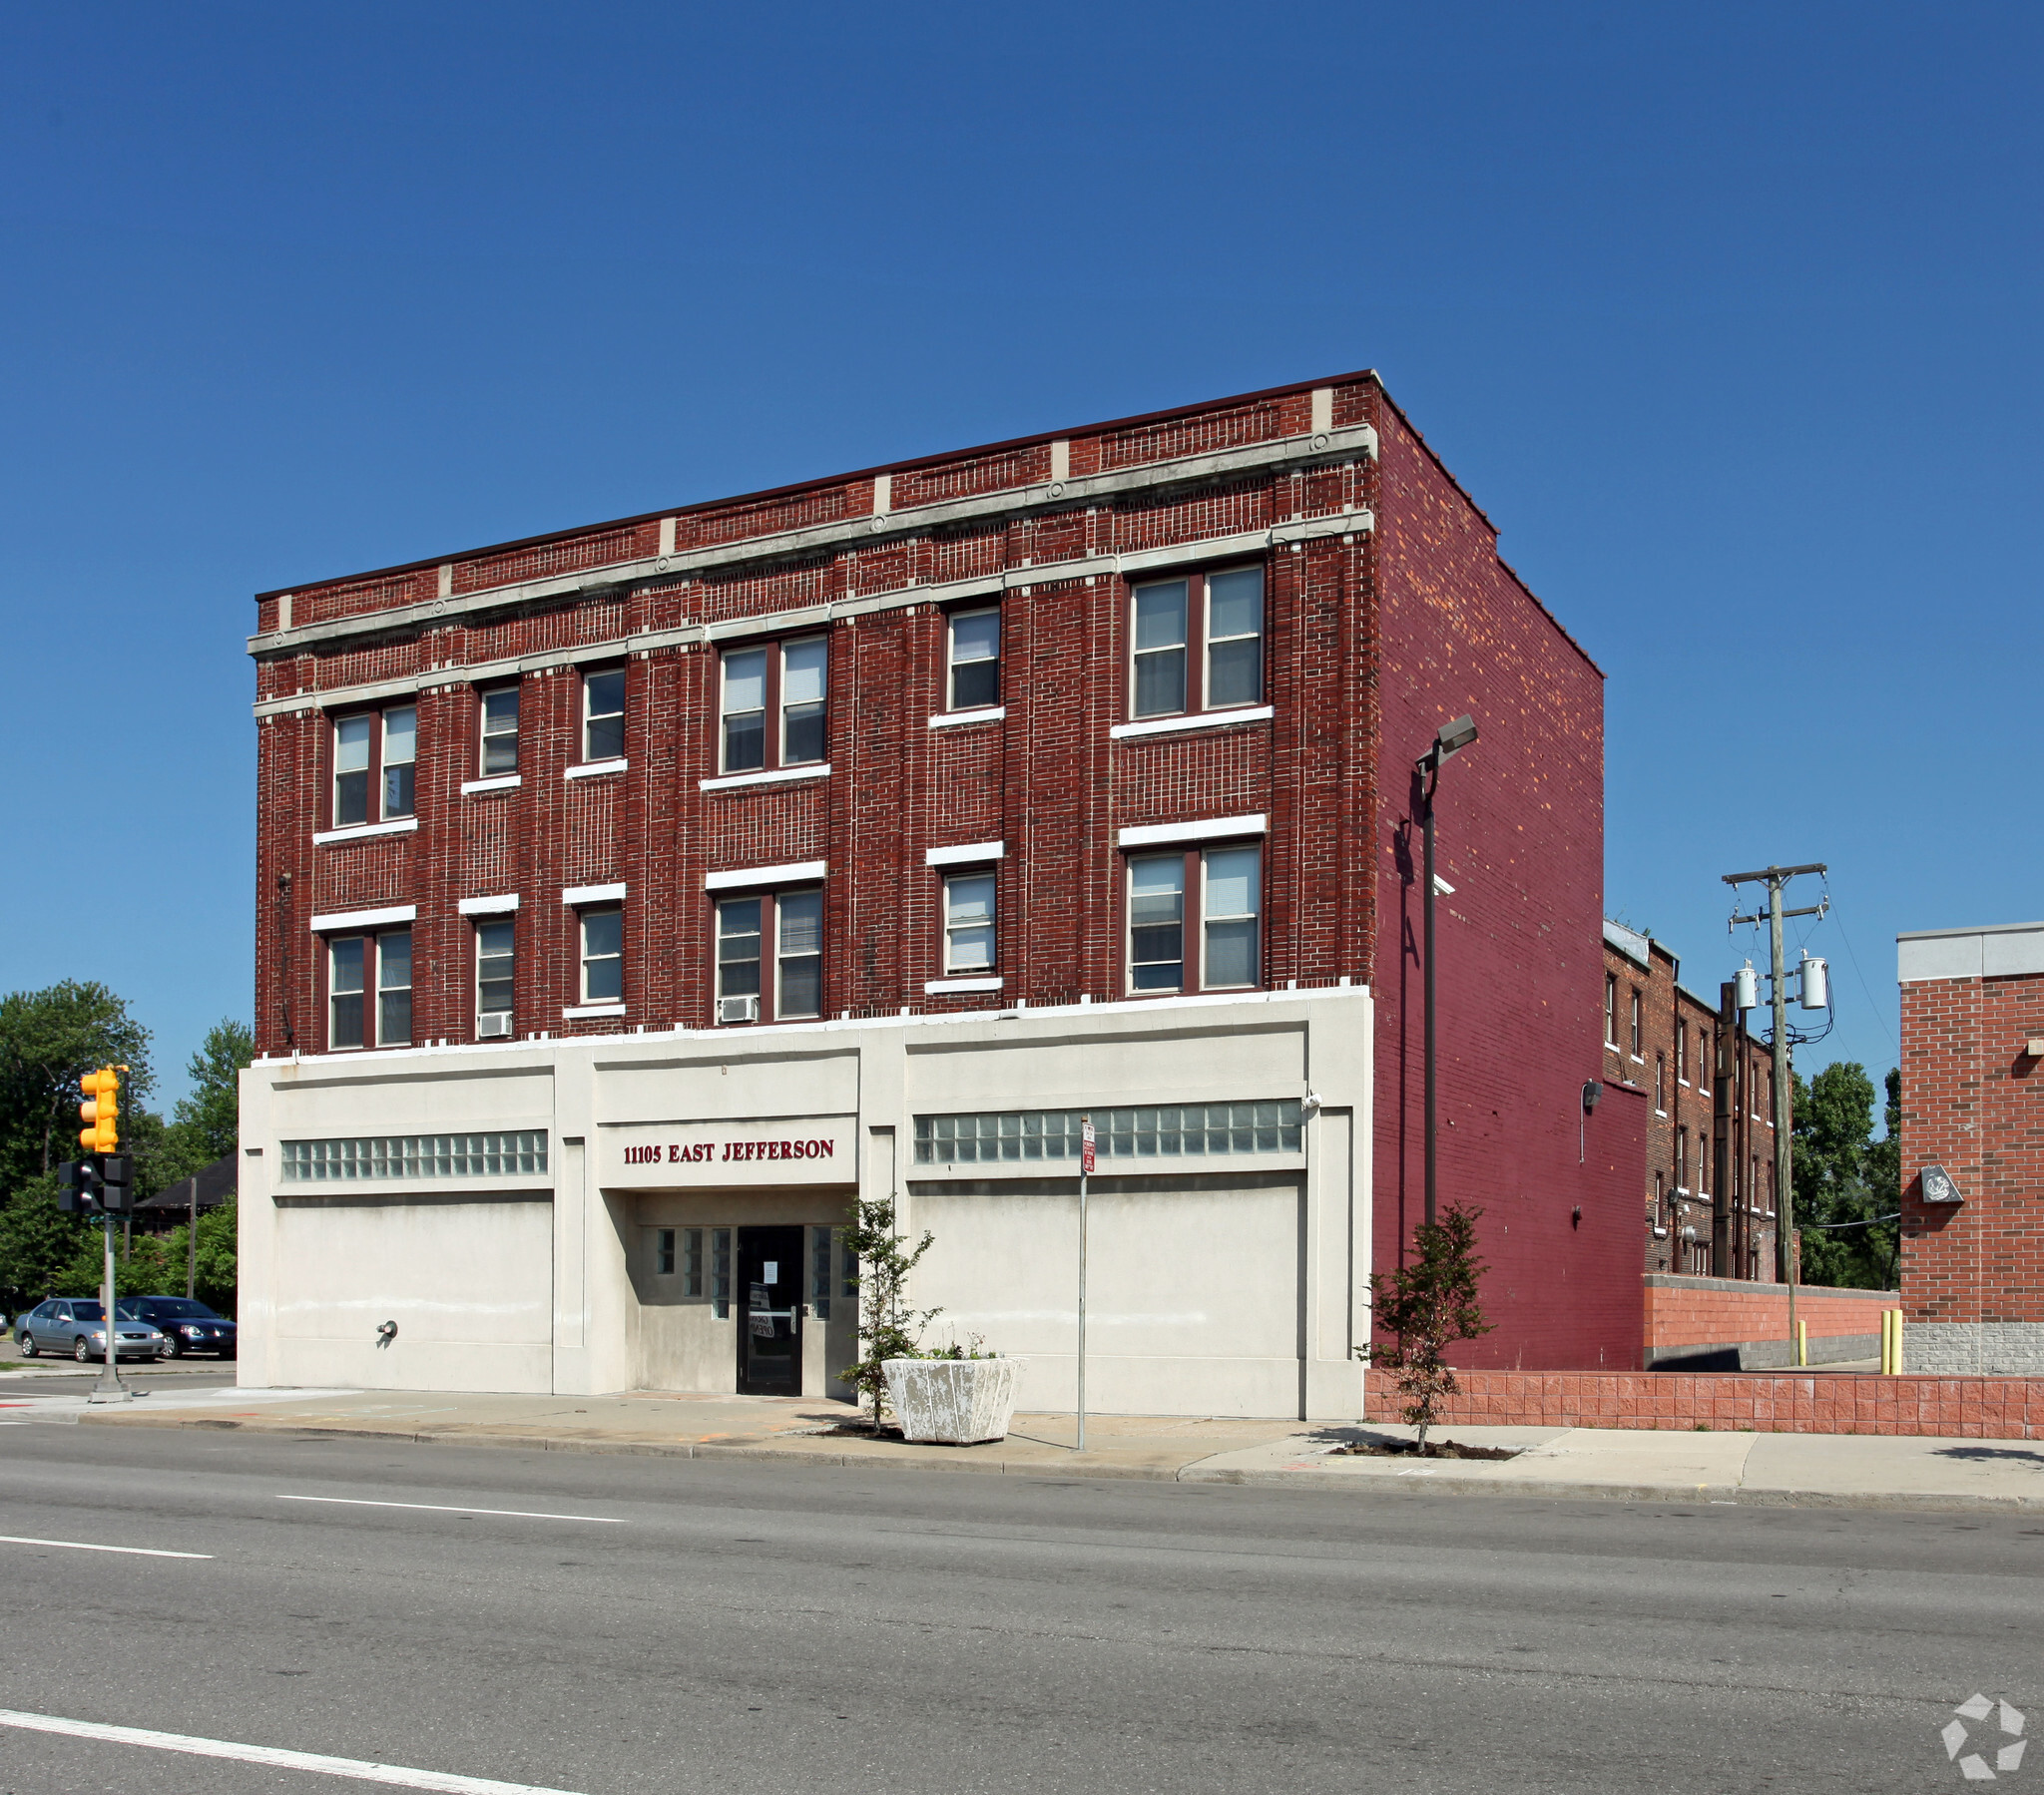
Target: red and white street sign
1086, 1146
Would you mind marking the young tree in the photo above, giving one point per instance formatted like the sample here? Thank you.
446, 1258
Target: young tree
1426, 1306
887, 1328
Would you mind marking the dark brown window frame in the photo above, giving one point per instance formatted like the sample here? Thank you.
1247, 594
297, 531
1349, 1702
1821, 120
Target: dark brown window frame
768, 898
1199, 672
372, 1008
773, 718
374, 792
1193, 945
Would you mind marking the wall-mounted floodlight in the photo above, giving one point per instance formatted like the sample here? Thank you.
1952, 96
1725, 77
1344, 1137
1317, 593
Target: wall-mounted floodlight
1452, 738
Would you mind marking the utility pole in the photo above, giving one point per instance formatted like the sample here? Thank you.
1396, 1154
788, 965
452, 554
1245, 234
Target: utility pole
1774, 878
1726, 1259
1086, 1141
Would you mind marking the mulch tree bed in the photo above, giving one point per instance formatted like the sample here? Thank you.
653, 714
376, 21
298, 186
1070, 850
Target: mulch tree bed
1435, 1449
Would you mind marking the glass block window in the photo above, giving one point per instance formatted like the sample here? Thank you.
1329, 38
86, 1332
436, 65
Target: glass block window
1152, 1131
518, 1153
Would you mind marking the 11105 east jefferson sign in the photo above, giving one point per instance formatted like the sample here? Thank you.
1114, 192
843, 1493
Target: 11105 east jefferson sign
781, 1150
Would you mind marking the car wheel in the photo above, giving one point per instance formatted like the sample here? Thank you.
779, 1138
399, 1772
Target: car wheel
173, 1346
28, 1346
80, 1350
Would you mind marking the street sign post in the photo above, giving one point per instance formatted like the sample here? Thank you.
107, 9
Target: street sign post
1085, 1172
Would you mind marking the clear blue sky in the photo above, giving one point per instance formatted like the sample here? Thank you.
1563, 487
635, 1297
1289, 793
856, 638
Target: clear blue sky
1729, 316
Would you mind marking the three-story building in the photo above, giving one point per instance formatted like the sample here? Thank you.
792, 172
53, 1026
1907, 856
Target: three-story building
632, 898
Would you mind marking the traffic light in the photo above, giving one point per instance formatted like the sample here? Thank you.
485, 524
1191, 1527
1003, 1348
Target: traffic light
117, 1194
100, 1111
78, 1187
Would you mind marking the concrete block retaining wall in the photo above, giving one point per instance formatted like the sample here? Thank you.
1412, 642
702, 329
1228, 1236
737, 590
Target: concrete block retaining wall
1726, 1324
1974, 1408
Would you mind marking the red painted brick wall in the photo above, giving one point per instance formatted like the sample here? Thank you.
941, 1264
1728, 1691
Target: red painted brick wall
1974, 1103
1790, 1402
1520, 983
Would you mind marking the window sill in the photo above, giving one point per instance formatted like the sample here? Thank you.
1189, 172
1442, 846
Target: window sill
986, 714
938, 986
496, 782
590, 769
1203, 719
774, 776
578, 1012
404, 825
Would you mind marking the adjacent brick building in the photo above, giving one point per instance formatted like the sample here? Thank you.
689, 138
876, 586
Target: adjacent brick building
631, 897
1972, 1247
1710, 1146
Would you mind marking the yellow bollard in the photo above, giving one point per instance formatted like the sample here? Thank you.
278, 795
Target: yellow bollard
1801, 1342
1897, 1313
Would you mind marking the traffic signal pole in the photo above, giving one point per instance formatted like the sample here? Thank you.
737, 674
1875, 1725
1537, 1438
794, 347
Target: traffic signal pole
111, 1176
109, 1388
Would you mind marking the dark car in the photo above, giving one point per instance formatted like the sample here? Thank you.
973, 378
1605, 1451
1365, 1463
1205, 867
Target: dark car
186, 1326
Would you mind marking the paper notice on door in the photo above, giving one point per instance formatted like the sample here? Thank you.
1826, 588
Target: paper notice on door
771, 1271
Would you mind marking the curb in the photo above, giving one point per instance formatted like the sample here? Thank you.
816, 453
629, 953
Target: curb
1532, 1490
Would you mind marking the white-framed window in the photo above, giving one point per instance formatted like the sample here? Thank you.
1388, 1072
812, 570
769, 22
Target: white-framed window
368, 990
603, 715
1682, 1050
1637, 1033
602, 955
496, 966
1210, 900
352, 738
975, 660
790, 988
969, 922
784, 685
1196, 642
1611, 1011
499, 731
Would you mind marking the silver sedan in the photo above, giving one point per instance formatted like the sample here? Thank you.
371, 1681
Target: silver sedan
77, 1325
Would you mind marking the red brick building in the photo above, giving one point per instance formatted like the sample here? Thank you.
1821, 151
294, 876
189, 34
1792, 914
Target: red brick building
1972, 1261
1013, 756
1710, 1146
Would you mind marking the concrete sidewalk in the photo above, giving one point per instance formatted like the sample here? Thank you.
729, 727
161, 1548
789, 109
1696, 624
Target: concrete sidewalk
1636, 1465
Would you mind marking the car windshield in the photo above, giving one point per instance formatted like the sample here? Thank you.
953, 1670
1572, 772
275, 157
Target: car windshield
85, 1312
168, 1308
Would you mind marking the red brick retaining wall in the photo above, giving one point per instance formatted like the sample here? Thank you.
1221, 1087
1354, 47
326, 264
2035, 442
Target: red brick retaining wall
1974, 1408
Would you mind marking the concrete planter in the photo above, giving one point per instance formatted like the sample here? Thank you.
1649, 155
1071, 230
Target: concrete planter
952, 1402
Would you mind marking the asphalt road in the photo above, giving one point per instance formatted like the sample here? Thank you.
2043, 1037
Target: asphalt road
740, 1627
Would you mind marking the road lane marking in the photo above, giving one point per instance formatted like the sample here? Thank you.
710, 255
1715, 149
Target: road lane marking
140, 1551
359, 1768
448, 1507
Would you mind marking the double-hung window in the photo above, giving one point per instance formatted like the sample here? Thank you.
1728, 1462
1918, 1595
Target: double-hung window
368, 990
969, 923
374, 751
603, 715
602, 955
500, 732
1194, 920
774, 705
1681, 1051
495, 978
1196, 643
770, 956
975, 660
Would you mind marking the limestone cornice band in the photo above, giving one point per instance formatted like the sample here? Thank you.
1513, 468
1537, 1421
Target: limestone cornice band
1325, 446
807, 617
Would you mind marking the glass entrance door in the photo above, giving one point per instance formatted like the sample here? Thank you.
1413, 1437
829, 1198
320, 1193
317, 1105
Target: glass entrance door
769, 1311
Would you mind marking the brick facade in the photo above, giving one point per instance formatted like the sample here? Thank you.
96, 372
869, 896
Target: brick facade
1726, 1324
1664, 1039
1386, 611
1972, 1271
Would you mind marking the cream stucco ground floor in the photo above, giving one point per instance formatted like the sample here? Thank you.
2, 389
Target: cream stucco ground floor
664, 1211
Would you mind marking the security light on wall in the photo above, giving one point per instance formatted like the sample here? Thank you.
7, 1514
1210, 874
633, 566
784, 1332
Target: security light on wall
1452, 738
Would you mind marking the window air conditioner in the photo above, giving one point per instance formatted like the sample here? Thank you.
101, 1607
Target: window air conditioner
495, 1027
737, 1008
